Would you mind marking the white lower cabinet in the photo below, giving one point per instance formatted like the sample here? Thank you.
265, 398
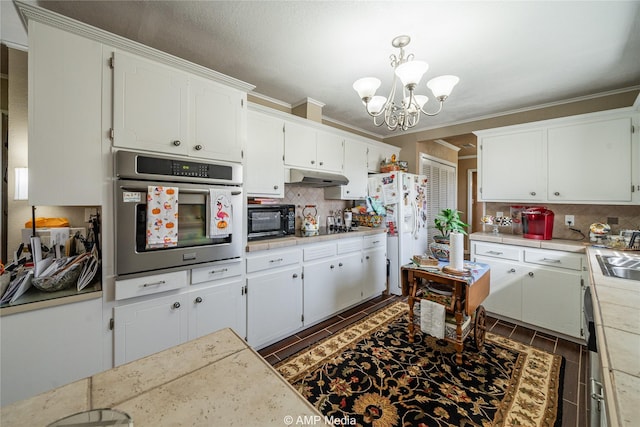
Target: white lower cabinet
540, 287
147, 327
215, 300
374, 279
290, 289
46, 348
274, 295
274, 306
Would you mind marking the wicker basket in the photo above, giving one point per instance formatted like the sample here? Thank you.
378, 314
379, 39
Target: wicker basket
368, 220
60, 281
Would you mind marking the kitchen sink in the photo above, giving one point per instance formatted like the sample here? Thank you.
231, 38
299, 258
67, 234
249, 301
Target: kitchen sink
624, 267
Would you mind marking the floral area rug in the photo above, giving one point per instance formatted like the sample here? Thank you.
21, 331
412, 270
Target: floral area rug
370, 375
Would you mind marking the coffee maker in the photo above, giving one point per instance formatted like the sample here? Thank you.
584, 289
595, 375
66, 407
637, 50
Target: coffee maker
537, 223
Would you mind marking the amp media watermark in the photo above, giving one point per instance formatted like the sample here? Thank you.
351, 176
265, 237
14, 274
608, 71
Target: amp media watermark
313, 420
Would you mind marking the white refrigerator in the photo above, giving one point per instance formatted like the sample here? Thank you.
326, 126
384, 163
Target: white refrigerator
404, 198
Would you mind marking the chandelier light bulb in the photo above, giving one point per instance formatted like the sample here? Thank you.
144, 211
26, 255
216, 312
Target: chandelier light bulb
411, 72
376, 104
442, 86
420, 100
366, 87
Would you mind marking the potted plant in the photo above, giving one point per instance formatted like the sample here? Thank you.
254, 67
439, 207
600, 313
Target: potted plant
446, 222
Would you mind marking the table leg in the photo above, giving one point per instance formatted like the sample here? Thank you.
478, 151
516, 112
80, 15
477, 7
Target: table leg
411, 301
459, 344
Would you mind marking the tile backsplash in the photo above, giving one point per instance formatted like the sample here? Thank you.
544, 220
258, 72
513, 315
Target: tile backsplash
300, 196
628, 217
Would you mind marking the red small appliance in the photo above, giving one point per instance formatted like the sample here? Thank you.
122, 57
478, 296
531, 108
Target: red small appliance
537, 223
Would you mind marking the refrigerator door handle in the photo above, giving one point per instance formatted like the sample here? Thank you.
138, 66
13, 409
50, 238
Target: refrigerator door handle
414, 208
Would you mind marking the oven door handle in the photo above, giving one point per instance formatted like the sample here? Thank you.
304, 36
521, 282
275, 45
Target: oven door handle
181, 190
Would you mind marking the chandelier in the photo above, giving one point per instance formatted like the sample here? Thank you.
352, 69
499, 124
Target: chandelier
406, 113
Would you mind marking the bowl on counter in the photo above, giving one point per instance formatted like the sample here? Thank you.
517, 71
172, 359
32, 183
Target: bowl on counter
60, 281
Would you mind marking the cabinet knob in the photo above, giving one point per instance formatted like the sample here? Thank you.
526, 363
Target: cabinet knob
321, 163
313, 162
340, 265
275, 187
513, 270
531, 274
176, 305
198, 147
332, 266
556, 193
176, 142
533, 193
295, 275
198, 300
367, 257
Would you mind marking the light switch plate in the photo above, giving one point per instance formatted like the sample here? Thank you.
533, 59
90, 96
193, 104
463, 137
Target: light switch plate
569, 220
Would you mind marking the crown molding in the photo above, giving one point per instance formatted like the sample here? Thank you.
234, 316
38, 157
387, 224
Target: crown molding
447, 144
309, 101
53, 19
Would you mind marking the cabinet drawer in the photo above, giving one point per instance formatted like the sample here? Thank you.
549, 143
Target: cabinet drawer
148, 285
558, 259
215, 272
349, 245
374, 241
498, 251
273, 260
319, 251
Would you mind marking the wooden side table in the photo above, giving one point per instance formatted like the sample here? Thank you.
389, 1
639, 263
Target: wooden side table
467, 295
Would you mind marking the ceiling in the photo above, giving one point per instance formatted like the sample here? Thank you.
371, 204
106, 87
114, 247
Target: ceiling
509, 55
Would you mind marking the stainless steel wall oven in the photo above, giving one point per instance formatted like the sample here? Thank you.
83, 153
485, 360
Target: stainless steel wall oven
194, 182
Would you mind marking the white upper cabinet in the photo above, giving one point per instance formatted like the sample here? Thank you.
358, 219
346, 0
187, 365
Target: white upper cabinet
330, 151
217, 123
513, 166
264, 164
590, 161
590, 158
355, 169
65, 118
150, 105
309, 148
299, 145
376, 154
162, 109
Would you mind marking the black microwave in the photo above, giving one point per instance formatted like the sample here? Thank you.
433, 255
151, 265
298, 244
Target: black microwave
270, 221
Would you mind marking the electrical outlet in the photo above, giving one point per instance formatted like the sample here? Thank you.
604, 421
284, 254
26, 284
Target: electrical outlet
499, 214
569, 220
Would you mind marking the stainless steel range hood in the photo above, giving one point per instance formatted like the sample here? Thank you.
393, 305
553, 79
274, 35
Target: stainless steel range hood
313, 178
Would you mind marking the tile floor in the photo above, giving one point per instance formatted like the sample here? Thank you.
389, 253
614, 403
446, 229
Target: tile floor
574, 411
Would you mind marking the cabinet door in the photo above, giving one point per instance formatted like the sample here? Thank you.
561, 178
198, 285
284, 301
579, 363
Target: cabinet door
329, 151
217, 119
299, 145
150, 109
264, 164
505, 297
49, 347
513, 167
551, 298
590, 162
274, 305
65, 118
321, 295
147, 327
377, 154
375, 272
221, 305
348, 280
355, 169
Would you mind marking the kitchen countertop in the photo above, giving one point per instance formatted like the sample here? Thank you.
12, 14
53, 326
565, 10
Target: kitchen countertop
214, 380
616, 306
282, 242
515, 239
